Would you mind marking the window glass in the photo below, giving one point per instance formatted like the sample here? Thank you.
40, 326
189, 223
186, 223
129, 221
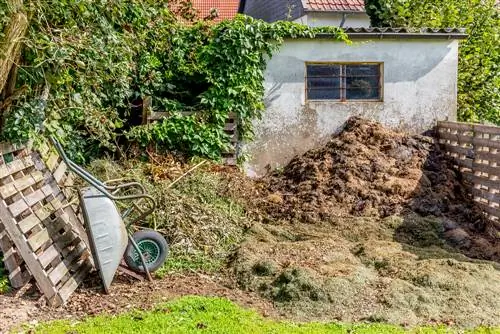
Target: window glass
343, 82
323, 70
323, 94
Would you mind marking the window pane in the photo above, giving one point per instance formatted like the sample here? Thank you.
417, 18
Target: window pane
362, 82
362, 70
333, 82
323, 70
323, 94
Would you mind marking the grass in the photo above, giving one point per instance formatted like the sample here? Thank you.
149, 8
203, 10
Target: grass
189, 263
194, 314
4, 280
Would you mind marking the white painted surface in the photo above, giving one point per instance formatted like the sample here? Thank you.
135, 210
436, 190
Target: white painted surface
322, 19
420, 87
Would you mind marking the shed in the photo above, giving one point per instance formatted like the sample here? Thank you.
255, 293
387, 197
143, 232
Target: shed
404, 78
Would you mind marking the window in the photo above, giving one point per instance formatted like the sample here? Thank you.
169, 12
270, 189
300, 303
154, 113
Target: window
344, 82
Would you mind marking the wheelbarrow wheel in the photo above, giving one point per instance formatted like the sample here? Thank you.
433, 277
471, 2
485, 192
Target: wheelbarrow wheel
154, 249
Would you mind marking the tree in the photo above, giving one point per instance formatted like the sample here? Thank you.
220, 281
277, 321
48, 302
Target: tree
479, 71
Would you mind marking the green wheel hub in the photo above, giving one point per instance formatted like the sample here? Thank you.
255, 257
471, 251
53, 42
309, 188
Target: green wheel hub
150, 251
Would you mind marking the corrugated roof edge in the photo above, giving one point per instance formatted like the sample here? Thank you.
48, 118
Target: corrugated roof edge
446, 33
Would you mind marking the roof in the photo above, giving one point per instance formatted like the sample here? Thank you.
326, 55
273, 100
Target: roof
226, 9
334, 5
381, 33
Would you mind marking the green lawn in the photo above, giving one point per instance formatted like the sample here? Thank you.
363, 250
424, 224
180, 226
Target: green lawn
216, 315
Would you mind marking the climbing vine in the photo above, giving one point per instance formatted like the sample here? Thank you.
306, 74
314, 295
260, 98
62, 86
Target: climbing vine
87, 64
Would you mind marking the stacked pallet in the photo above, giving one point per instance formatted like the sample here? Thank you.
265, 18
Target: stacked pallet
41, 236
475, 149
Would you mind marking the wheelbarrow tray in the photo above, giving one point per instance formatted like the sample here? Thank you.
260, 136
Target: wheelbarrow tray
106, 232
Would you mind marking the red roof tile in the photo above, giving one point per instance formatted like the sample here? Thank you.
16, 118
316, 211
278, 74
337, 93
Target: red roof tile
226, 9
335, 5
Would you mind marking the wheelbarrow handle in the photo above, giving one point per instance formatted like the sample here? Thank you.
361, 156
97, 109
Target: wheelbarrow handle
92, 180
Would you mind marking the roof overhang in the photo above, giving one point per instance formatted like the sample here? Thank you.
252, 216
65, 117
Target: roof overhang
335, 11
402, 33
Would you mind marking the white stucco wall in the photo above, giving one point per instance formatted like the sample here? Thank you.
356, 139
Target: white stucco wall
419, 88
322, 19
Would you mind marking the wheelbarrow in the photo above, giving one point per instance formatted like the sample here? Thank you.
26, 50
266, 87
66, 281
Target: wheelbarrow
110, 230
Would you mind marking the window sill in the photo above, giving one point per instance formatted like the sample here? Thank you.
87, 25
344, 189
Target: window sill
345, 102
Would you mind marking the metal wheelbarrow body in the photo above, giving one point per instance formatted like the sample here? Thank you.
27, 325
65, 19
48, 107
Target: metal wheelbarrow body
110, 231
106, 232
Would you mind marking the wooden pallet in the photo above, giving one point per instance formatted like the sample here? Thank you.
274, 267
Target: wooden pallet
41, 234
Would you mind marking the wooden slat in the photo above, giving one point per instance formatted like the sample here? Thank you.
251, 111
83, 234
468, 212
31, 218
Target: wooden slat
458, 149
6, 148
16, 166
457, 137
21, 184
483, 155
73, 282
51, 162
495, 184
62, 268
59, 172
26, 253
490, 197
18, 207
48, 256
489, 210
38, 239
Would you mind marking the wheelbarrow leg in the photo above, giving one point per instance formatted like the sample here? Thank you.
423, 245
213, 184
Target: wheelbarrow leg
138, 250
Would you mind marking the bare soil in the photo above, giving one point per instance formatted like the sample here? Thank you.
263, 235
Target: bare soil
28, 307
374, 226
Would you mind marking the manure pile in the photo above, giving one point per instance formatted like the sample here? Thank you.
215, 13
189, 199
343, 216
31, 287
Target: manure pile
376, 225
370, 171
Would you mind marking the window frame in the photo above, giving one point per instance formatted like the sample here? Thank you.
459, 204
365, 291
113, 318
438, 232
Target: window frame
343, 88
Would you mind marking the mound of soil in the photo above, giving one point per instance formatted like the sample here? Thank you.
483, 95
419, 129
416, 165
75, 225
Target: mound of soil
370, 171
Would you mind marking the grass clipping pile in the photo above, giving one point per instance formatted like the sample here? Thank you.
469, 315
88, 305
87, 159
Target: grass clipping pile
376, 225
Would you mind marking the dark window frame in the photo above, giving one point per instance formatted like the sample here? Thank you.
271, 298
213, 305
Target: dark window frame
343, 81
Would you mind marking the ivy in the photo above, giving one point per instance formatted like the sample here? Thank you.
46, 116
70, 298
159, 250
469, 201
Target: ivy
479, 70
97, 59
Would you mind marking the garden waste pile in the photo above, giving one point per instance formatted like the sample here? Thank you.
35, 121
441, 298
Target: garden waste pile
375, 225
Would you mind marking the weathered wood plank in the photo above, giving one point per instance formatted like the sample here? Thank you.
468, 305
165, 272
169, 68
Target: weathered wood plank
6, 148
74, 281
18, 207
16, 166
51, 162
26, 253
48, 255
490, 197
38, 239
62, 268
479, 180
59, 172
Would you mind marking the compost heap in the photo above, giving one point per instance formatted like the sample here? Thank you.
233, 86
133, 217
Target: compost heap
371, 171
375, 225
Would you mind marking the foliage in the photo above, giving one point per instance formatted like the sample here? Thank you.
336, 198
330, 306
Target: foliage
203, 224
479, 69
216, 315
98, 59
4, 280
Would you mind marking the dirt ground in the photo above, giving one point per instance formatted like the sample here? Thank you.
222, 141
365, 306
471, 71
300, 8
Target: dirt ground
374, 226
28, 307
